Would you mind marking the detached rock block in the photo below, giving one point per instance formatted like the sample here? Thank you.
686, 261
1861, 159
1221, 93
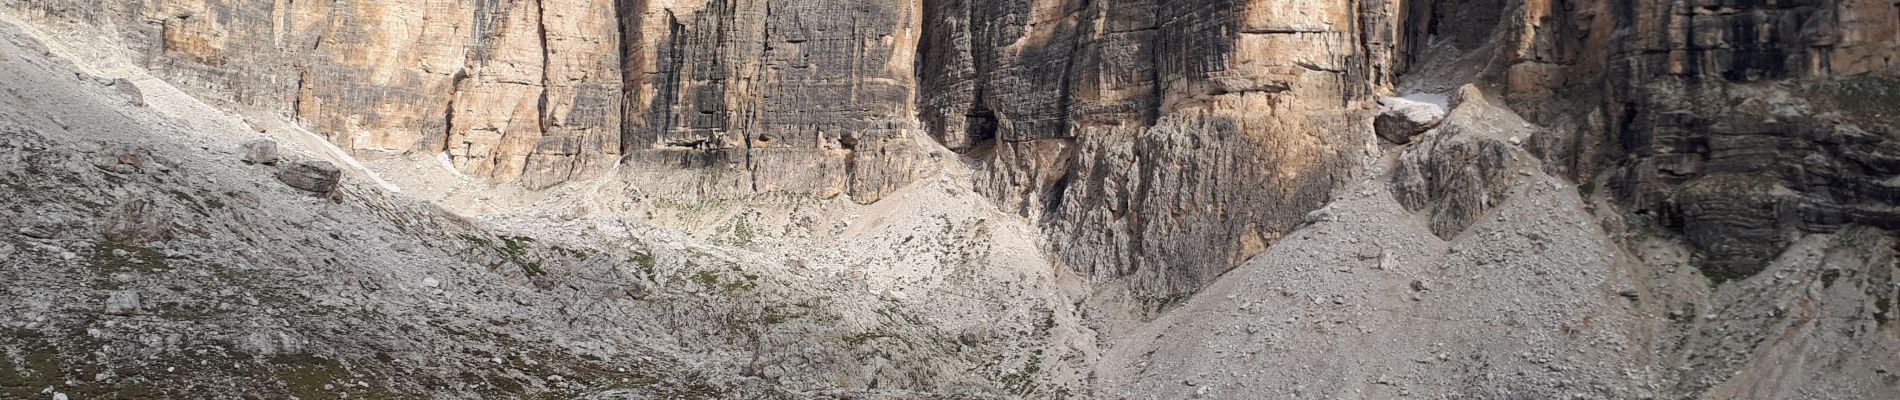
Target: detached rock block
1403, 119
311, 176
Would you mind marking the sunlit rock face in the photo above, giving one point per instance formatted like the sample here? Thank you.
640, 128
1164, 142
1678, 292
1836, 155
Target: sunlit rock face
1158, 142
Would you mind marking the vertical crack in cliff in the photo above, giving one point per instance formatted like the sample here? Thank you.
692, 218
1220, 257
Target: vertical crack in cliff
448, 111
296, 99
675, 60
626, 38
752, 112
541, 107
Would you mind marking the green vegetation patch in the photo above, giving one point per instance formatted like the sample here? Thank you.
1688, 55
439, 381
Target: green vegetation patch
513, 250
116, 257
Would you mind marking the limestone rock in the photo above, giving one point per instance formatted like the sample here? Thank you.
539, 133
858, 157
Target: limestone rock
262, 151
724, 98
123, 303
1164, 141
126, 159
139, 222
1402, 119
311, 176
131, 92
1133, 129
1716, 120
1460, 172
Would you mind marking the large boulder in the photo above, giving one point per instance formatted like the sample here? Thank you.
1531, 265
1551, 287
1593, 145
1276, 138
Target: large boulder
1457, 174
311, 176
1402, 119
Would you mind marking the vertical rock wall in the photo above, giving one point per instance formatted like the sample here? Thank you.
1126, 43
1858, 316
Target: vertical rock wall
1159, 141
1738, 124
514, 90
737, 96
706, 98
1163, 141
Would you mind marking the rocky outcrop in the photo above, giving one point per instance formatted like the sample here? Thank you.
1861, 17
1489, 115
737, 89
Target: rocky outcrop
1136, 129
727, 97
1402, 119
1458, 173
311, 176
1734, 123
1161, 143
744, 96
511, 90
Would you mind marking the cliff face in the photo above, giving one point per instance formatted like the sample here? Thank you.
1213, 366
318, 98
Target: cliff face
1735, 123
743, 96
1162, 140
728, 97
1159, 141
523, 91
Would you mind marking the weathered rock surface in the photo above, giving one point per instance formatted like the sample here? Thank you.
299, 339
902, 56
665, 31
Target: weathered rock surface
122, 303
1157, 143
262, 151
1458, 173
1130, 126
751, 96
811, 97
1402, 119
311, 176
1161, 143
1734, 123
260, 289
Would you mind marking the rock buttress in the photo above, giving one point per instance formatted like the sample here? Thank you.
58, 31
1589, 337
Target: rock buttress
1159, 142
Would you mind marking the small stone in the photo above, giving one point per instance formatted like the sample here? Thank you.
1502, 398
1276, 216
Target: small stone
122, 303
635, 291
1368, 252
262, 151
974, 336
311, 176
1320, 215
431, 282
59, 396
894, 295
